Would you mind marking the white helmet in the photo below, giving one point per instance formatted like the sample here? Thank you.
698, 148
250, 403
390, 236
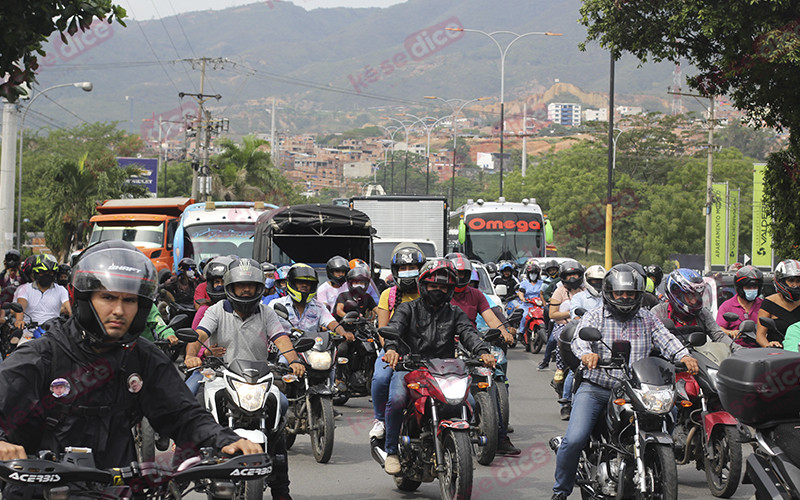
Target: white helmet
597, 272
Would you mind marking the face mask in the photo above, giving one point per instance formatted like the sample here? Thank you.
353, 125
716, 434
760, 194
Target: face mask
533, 277
190, 274
437, 297
597, 286
750, 295
218, 289
63, 282
45, 280
408, 274
269, 282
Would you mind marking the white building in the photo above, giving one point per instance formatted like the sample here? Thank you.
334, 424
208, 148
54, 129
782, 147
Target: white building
490, 161
629, 110
564, 113
595, 115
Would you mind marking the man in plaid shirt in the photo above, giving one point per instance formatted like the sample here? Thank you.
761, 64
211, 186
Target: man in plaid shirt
620, 318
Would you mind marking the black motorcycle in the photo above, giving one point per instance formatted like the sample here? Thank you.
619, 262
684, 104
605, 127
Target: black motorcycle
630, 452
356, 370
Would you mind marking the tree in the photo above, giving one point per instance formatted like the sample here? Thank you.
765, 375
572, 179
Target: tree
751, 142
781, 183
28, 24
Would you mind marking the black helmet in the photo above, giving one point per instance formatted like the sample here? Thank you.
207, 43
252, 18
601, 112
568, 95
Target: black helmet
787, 269
747, 276
358, 280
551, 268
407, 254
186, 264
301, 272
12, 258
115, 266
244, 270
463, 268
571, 267
215, 270
337, 263
622, 278
491, 268
44, 269
63, 270
437, 271
655, 273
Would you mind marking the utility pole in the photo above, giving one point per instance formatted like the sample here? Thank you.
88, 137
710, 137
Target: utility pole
273, 138
7, 174
524, 138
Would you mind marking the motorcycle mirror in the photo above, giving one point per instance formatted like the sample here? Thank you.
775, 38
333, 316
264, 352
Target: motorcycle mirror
580, 311
501, 290
7, 306
747, 327
492, 335
769, 323
281, 311
351, 306
350, 317
668, 324
697, 339
187, 335
389, 333
730, 317
304, 344
16, 307
177, 320
590, 334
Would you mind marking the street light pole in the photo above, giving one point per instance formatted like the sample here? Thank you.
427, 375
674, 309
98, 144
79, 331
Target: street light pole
405, 171
86, 87
391, 135
503, 52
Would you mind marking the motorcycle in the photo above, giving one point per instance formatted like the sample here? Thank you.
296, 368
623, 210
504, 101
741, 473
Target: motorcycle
484, 428
629, 454
356, 370
704, 432
74, 472
311, 399
9, 334
435, 437
534, 335
244, 396
759, 388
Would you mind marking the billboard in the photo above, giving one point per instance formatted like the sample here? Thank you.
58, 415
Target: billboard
148, 172
719, 225
762, 237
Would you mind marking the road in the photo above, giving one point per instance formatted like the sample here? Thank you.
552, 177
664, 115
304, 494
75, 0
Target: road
352, 474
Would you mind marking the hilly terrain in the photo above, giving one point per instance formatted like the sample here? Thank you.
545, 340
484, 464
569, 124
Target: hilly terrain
329, 69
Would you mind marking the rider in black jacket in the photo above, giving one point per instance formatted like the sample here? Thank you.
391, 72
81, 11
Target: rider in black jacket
90, 378
428, 326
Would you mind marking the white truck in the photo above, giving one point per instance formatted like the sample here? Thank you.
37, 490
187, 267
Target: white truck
419, 219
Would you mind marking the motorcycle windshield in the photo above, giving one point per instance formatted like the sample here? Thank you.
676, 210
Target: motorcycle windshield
446, 367
652, 371
251, 371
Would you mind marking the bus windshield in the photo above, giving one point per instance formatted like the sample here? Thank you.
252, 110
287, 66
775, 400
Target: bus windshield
497, 236
210, 240
143, 235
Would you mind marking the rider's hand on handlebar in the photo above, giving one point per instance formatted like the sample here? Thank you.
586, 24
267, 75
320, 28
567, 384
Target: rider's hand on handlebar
245, 446
299, 369
173, 340
775, 343
391, 358
19, 324
192, 362
488, 360
590, 360
218, 351
691, 364
508, 338
349, 336
10, 451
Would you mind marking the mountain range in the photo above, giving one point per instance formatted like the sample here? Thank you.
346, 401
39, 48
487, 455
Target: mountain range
329, 69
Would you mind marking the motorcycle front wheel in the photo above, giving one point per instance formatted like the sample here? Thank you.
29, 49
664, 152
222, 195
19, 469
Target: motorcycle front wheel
502, 396
661, 474
724, 466
253, 490
145, 441
455, 483
321, 428
536, 339
486, 426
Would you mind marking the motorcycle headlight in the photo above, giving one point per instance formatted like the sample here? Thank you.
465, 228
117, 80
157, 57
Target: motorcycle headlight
454, 389
319, 360
483, 371
251, 396
712, 376
656, 399
498, 354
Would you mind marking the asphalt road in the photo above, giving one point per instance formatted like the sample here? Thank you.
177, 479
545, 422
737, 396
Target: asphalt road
352, 474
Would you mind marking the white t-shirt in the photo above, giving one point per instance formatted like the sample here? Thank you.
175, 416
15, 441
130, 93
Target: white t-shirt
42, 306
327, 294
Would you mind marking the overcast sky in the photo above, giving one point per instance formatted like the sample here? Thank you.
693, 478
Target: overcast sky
150, 9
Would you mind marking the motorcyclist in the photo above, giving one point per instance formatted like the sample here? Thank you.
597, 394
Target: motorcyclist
570, 275
268, 269
620, 318
656, 274
506, 277
10, 276
43, 299
182, 285
358, 282
782, 306
98, 352
551, 279
280, 285
649, 299
64, 274
246, 329
746, 303
684, 306
529, 288
407, 260
428, 326
336, 269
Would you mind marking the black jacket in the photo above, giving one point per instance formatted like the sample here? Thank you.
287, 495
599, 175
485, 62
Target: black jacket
99, 410
432, 334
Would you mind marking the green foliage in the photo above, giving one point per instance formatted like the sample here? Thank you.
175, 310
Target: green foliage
28, 24
781, 186
334, 140
756, 143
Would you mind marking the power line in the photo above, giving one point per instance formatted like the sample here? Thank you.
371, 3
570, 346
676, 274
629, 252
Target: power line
172, 42
62, 107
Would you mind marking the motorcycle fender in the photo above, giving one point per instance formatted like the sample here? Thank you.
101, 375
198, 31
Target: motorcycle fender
455, 424
320, 390
255, 436
655, 437
762, 475
716, 418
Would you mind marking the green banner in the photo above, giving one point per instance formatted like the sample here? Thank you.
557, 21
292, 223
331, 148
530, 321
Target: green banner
762, 238
733, 226
719, 196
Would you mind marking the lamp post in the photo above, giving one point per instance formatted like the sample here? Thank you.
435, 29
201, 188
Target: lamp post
86, 87
428, 130
503, 52
405, 169
391, 135
449, 102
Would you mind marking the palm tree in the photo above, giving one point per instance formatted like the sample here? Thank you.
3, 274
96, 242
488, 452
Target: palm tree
248, 174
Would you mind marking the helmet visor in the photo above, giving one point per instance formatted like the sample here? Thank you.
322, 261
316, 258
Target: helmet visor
116, 270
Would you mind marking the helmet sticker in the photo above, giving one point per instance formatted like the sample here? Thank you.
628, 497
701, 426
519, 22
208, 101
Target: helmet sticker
135, 383
59, 388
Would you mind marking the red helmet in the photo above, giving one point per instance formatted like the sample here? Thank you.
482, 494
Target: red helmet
463, 269
440, 271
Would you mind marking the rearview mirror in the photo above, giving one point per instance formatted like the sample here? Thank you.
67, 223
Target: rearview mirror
730, 317
389, 333
668, 324
304, 344
580, 311
16, 307
351, 306
178, 320
187, 335
747, 326
697, 339
281, 311
768, 323
492, 335
350, 317
590, 334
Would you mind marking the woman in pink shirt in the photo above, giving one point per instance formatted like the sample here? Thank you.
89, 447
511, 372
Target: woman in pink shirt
745, 303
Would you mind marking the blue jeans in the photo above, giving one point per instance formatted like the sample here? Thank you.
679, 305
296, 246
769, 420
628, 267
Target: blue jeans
552, 342
567, 394
193, 382
380, 387
588, 406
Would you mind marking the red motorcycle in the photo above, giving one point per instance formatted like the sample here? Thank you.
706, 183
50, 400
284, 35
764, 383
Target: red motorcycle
534, 334
435, 440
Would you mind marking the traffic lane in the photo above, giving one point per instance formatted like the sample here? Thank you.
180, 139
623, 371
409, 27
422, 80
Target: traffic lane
352, 472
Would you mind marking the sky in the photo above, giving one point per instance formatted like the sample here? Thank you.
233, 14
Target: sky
154, 9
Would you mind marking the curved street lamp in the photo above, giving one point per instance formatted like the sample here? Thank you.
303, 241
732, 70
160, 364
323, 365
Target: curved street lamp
86, 87
390, 133
405, 170
428, 130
